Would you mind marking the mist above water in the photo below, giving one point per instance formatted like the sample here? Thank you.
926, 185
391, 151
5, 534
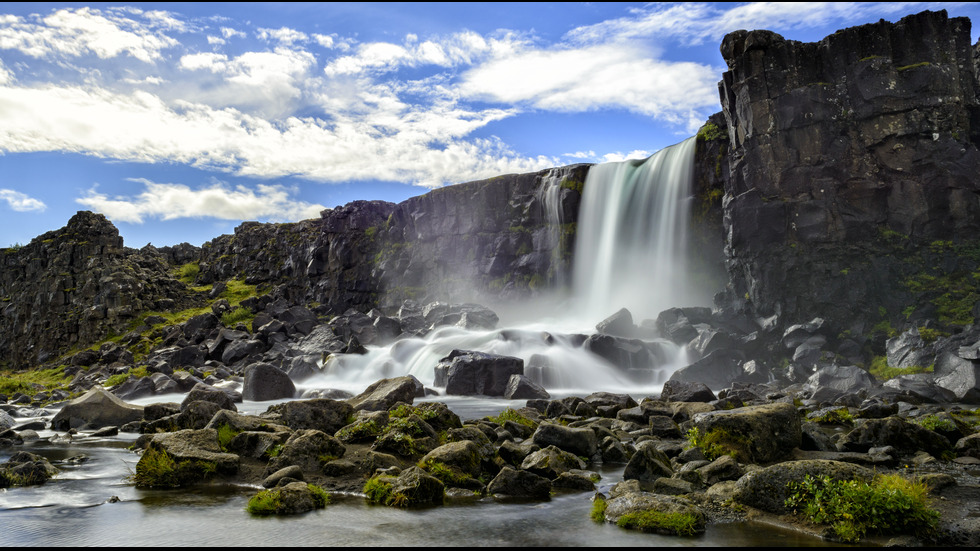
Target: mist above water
630, 252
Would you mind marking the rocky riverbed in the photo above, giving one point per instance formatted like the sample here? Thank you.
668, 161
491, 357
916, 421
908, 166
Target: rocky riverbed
709, 457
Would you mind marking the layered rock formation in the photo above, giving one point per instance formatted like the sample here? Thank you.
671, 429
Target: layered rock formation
853, 190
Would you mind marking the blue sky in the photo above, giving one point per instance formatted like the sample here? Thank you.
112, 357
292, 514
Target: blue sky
180, 120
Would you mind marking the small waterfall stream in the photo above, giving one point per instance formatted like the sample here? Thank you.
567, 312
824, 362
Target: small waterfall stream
629, 253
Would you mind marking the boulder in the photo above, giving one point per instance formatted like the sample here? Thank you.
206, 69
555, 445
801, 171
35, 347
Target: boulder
551, 461
25, 469
648, 463
719, 369
905, 437
320, 414
766, 432
686, 391
94, 409
579, 441
290, 499
385, 393
767, 489
472, 373
521, 387
175, 459
309, 450
265, 382
628, 510
207, 393
511, 482
960, 376
619, 324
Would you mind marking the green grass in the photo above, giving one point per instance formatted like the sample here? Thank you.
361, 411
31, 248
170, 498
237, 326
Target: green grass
34, 381
237, 315
936, 423
681, 524
121, 378
890, 504
838, 416
598, 512
512, 415
269, 502
188, 272
225, 435
718, 442
882, 371
379, 490
156, 469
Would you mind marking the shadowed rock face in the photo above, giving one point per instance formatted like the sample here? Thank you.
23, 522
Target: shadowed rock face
848, 157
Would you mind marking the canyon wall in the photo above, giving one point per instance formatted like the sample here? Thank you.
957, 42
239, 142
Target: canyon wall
854, 184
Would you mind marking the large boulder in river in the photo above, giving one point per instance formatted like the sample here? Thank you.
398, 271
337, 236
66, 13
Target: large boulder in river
265, 381
321, 414
175, 459
385, 393
470, 373
580, 441
94, 409
511, 482
627, 506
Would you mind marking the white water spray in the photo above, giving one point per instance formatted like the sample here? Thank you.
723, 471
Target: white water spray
629, 253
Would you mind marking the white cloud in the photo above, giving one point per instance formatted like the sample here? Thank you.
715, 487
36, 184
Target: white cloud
463, 48
175, 201
594, 77
228, 32
696, 23
86, 31
283, 35
416, 146
21, 202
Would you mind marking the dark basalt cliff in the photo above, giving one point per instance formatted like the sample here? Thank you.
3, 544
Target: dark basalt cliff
854, 190
75, 286
478, 241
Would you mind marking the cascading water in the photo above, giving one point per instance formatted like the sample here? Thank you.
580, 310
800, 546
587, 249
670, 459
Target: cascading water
632, 239
629, 253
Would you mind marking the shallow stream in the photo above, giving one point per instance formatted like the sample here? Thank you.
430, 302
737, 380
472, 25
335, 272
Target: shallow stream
78, 508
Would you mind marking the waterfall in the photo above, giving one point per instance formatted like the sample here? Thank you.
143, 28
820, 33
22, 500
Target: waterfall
630, 248
632, 235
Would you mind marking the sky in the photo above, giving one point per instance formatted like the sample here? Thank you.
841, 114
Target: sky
178, 121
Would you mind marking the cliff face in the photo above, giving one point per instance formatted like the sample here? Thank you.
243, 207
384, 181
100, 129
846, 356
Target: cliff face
479, 241
75, 286
854, 172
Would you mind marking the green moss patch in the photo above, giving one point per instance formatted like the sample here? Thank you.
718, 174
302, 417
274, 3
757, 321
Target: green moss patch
890, 504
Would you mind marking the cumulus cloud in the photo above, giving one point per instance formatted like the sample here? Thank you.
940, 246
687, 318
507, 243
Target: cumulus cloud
283, 35
463, 48
21, 202
594, 77
77, 32
410, 147
174, 201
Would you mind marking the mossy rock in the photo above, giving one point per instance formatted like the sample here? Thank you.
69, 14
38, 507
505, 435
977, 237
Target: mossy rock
413, 487
646, 512
292, 499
